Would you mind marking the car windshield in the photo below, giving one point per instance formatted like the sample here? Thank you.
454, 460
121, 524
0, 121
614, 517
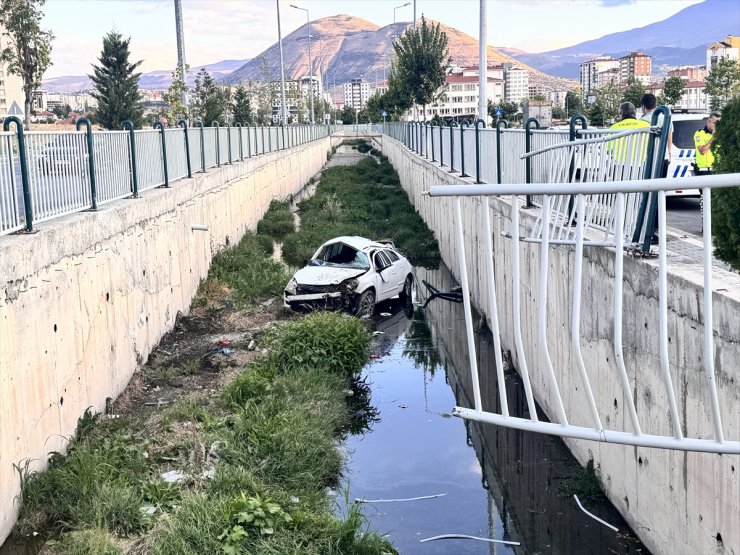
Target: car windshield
683, 132
340, 255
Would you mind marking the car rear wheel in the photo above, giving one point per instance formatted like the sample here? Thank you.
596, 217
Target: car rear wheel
365, 304
405, 293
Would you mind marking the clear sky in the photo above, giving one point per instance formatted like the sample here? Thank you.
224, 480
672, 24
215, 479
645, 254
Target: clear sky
236, 29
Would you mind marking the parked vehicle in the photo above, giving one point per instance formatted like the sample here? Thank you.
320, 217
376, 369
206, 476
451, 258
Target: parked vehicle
353, 274
683, 151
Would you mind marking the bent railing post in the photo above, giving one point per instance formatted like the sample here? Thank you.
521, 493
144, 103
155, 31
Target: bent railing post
128, 125
90, 160
160, 126
499, 124
478, 123
218, 144
27, 205
528, 161
184, 124
463, 124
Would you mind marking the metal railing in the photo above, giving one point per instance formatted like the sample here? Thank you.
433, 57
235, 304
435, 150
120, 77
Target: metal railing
645, 432
47, 175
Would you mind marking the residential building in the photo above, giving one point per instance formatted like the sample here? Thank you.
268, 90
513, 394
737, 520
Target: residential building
557, 98
635, 66
727, 48
590, 71
356, 93
608, 76
694, 98
516, 83
306, 83
12, 98
689, 73
82, 101
381, 88
538, 89
541, 111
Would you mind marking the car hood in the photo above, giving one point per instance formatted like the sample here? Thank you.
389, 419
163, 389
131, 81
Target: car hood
325, 275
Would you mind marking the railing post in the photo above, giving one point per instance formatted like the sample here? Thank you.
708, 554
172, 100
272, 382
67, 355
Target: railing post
528, 161
228, 141
441, 145
478, 122
269, 140
431, 136
184, 124
199, 123
418, 138
128, 125
453, 123
160, 126
463, 124
90, 160
218, 144
238, 127
283, 134
27, 205
572, 136
499, 124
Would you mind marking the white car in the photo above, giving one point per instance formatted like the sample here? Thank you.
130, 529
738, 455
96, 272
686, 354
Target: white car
683, 150
351, 273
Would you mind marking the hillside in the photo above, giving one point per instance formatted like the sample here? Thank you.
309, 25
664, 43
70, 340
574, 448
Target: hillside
346, 47
679, 39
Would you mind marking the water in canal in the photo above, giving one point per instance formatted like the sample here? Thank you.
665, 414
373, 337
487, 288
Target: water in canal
497, 483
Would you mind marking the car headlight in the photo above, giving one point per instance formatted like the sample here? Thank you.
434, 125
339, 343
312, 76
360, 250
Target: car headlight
292, 286
351, 284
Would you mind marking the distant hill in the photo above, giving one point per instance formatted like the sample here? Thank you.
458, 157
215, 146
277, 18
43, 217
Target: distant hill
680, 39
156, 80
346, 47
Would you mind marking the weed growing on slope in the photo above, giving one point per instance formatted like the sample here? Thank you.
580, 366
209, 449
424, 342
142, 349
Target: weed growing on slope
277, 221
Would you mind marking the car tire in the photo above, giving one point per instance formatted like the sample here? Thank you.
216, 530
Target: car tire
365, 306
405, 293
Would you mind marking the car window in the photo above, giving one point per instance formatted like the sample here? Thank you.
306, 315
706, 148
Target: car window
392, 255
683, 132
381, 260
341, 256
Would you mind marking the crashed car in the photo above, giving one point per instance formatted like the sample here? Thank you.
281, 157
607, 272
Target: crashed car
353, 274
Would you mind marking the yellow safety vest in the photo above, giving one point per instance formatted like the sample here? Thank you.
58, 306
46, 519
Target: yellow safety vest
704, 161
620, 148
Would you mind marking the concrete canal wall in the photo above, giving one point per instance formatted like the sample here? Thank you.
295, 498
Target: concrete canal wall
86, 299
677, 502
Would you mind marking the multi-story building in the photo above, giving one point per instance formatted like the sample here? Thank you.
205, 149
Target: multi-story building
727, 48
81, 101
311, 82
694, 98
689, 73
541, 111
557, 98
590, 71
356, 93
516, 83
606, 77
635, 66
12, 98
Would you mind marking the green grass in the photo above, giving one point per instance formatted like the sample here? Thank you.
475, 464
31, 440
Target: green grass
366, 200
277, 221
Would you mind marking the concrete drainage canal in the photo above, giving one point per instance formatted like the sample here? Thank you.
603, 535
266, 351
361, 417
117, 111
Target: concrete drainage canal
423, 473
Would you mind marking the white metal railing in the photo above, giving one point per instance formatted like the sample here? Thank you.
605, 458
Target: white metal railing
638, 432
112, 165
11, 210
149, 159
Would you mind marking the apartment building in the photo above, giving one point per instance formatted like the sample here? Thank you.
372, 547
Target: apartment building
356, 93
694, 98
635, 66
12, 98
461, 93
689, 73
727, 48
516, 83
591, 70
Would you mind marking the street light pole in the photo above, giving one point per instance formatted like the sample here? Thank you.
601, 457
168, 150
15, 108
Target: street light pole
181, 51
394, 17
482, 63
282, 70
310, 63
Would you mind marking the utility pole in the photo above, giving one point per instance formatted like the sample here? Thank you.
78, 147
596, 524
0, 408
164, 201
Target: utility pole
283, 118
181, 49
310, 63
414, 14
482, 63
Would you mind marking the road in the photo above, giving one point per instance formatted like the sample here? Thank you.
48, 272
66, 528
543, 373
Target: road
684, 214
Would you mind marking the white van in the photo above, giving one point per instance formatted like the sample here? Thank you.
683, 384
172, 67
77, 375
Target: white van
683, 150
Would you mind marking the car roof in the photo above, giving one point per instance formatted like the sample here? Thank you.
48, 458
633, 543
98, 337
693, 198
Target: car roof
358, 243
688, 117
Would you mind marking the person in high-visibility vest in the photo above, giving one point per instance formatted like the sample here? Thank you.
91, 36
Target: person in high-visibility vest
623, 150
703, 140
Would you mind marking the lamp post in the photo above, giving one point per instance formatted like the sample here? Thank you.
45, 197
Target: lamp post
283, 118
482, 63
394, 17
310, 63
181, 50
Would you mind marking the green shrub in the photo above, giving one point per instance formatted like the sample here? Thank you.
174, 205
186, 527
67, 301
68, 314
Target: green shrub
96, 541
266, 244
277, 221
726, 202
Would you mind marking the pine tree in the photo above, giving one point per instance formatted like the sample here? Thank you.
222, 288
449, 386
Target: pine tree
117, 84
242, 106
207, 99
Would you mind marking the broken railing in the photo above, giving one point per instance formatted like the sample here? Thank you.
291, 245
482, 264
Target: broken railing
553, 229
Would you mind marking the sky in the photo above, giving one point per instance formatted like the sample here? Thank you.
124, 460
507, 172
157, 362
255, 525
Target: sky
217, 30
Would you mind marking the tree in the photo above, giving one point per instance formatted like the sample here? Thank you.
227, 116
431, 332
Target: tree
421, 63
207, 99
573, 103
722, 83
537, 98
173, 97
242, 106
634, 93
508, 109
117, 84
28, 53
673, 91
725, 201
607, 103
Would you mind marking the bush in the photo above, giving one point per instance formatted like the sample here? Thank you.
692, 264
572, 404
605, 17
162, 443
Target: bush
277, 221
726, 202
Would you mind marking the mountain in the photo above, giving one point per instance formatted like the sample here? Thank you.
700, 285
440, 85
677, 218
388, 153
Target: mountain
155, 80
681, 39
346, 47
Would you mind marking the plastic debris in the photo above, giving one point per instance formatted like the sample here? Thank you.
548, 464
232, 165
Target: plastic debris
360, 500
148, 510
596, 518
375, 333
226, 351
466, 537
374, 356
209, 473
223, 342
402, 406
268, 302
251, 345
173, 476
294, 499
386, 314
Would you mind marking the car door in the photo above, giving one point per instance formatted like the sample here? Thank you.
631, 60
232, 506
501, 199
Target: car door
395, 271
383, 268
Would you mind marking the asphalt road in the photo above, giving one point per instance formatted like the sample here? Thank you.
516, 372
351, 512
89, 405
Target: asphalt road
684, 214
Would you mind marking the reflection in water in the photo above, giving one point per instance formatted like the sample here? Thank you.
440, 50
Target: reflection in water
499, 483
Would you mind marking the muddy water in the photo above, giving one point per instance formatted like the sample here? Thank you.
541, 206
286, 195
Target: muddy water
497, 483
